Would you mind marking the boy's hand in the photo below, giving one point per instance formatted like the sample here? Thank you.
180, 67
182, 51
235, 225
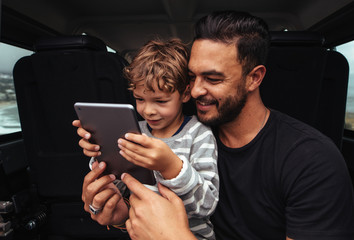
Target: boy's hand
150, 153
89, 149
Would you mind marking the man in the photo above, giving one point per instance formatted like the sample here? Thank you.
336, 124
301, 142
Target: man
279, 178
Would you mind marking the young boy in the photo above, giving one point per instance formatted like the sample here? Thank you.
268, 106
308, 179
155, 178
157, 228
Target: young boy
181, 151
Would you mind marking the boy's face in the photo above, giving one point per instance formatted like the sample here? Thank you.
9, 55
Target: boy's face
162, 110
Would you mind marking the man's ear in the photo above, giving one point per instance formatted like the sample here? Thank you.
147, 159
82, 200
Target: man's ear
255, 77
186, 94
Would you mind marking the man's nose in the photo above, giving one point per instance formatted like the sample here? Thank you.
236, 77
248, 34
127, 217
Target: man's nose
198, 88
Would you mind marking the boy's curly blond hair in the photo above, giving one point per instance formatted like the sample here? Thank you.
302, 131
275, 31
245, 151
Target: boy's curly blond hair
162, 63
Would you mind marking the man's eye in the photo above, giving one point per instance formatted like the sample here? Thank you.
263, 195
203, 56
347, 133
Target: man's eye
214, 80
191, 78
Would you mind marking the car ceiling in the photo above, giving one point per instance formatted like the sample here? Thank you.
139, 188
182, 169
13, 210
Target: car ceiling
126, 25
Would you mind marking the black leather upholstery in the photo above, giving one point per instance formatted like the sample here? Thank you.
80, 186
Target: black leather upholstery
307, 81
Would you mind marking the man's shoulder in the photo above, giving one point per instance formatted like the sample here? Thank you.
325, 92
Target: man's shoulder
291, 127
301, 139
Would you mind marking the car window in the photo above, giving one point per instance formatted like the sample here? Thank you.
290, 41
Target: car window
347, 50
9, 119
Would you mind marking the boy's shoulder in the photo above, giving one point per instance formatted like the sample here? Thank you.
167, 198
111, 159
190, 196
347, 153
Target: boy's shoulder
195, 126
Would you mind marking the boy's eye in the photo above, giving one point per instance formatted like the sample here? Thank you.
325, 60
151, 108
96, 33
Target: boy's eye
160, 101
139, 99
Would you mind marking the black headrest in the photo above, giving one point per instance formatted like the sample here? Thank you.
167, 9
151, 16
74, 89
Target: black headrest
296, 38
70, 42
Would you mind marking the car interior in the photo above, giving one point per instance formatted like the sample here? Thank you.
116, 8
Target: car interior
55, 53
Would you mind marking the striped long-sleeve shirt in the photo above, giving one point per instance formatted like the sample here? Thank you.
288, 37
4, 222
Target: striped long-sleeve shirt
197, 184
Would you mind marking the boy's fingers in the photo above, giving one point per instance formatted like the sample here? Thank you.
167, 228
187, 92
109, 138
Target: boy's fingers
80, 131
131, 148
83, 133
76, 123
141, 139
83, 143
91, 153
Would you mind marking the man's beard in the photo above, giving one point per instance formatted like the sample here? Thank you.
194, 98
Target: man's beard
228, 111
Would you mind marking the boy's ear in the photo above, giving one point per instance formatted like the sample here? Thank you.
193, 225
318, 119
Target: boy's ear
186, 95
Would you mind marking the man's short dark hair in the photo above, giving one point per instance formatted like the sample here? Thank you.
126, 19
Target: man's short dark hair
250, 35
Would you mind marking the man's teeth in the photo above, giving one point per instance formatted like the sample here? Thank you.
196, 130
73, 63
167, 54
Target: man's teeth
204, 103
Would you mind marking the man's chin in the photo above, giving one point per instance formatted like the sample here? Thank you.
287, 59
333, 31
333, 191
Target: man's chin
205, 119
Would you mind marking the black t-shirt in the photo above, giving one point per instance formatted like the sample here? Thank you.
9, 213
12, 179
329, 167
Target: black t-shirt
290, 180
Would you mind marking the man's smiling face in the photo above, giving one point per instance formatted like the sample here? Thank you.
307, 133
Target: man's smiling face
217, 83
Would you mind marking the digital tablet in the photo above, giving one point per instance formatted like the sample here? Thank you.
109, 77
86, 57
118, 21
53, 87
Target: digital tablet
107, 123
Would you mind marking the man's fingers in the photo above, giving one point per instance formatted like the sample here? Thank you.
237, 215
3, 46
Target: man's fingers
91, 186
95, 164
105, 216
96, 171
169, 195
100, 199
93, 189
128, 225
99, 184
136, 187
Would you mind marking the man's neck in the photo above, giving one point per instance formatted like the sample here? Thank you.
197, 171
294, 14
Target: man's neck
245, 127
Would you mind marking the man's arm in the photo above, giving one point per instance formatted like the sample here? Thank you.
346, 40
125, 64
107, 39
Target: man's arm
318, 192
152, 216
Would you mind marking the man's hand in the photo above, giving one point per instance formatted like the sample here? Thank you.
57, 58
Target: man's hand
150, 153
152, 216
89, 149
101, 193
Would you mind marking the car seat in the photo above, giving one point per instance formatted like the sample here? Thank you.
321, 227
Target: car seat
307, 81
64, 70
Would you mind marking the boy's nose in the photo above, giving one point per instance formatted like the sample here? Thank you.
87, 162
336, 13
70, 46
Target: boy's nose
149, 109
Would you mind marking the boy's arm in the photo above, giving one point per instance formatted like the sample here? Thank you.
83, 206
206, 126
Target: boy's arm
150, 153
195, 179
198, 182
